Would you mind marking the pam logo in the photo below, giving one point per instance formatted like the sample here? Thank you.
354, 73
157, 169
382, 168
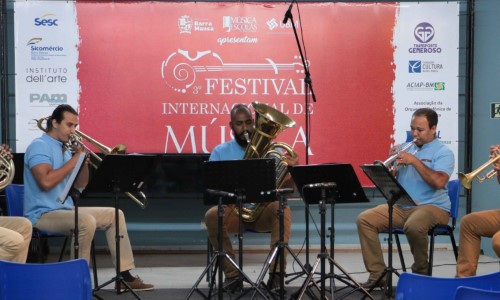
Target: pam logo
424, 32
46, 20
48, 98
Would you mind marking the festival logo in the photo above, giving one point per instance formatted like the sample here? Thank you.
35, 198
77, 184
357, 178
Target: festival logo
181, 71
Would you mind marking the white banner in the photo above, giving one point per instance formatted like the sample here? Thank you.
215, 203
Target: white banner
426, 40
46, 39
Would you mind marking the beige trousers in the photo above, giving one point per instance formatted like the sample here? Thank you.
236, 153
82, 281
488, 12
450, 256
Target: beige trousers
90, 219
15, 237
472, 227
268, 221
415, 221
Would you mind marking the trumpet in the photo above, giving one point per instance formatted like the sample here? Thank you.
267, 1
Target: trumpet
466, 179
76, 138
389, 162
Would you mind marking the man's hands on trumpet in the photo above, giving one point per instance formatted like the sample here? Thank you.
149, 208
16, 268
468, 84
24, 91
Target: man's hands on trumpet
494, 152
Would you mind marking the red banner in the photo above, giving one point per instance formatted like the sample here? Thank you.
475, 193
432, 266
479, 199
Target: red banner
161, 77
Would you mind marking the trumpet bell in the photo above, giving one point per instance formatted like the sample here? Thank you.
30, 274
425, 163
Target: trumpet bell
465, 180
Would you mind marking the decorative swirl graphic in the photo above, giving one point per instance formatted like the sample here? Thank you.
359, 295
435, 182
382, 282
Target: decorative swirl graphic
179, 70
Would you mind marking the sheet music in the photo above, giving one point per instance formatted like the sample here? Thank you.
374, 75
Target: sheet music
72, 177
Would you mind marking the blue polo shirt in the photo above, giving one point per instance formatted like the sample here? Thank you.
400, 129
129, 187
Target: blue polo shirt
43, 150
230, 150
436, 156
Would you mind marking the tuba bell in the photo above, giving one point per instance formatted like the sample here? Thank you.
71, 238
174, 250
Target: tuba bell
269, 124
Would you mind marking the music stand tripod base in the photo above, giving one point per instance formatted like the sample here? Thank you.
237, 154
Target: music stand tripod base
119, 173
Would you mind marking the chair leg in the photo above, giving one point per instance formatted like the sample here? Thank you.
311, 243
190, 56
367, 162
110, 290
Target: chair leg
94, 264
400, 252
63, 249
454, 245
431, 254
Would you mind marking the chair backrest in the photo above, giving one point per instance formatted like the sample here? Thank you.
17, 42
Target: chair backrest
14, 199
60, 280
454, 194
415, 286
468, 293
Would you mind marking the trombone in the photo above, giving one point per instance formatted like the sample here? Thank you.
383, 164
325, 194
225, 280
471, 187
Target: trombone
466, 179
77, 138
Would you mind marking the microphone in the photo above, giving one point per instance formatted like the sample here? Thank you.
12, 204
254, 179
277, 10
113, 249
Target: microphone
288, 13
220, 193
324, 185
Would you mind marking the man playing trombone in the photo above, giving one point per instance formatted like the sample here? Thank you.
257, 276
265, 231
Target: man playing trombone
476, 225
47, 167
423, 171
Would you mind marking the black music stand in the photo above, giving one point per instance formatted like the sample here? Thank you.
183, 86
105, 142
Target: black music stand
394, 193
120, 173
233, 182
70, 190
329, 184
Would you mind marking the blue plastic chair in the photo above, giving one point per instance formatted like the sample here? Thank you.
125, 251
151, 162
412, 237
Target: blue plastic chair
14, 198
60, 280
414, 286
441, 229
468, 293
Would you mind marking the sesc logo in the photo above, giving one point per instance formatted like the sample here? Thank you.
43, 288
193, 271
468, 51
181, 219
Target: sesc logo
46, 20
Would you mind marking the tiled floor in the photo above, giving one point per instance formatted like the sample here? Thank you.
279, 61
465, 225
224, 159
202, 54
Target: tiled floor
180, 271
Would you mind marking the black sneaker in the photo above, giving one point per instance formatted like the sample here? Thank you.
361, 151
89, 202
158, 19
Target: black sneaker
233, 284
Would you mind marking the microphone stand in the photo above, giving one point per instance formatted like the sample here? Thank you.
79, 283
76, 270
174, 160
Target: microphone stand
308, 91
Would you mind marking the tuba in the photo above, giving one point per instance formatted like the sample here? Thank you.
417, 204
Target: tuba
78, 137
269, 124
7, 170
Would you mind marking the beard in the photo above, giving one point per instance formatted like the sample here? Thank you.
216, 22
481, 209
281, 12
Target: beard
241, 140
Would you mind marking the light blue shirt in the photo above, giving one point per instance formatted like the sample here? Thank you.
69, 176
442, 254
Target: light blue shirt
230, 150
43, 150
436, 156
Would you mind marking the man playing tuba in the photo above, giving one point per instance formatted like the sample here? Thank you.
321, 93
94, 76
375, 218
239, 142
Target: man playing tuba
242, 126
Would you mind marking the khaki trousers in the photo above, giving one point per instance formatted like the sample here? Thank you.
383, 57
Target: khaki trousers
90, 219
472, 227
15, 237
415, 221
268, 221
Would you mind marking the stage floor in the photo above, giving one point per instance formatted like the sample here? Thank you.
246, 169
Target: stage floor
174, 274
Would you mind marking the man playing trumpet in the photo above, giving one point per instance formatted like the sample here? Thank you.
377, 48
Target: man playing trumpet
476, 225
424, 175
47, 167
